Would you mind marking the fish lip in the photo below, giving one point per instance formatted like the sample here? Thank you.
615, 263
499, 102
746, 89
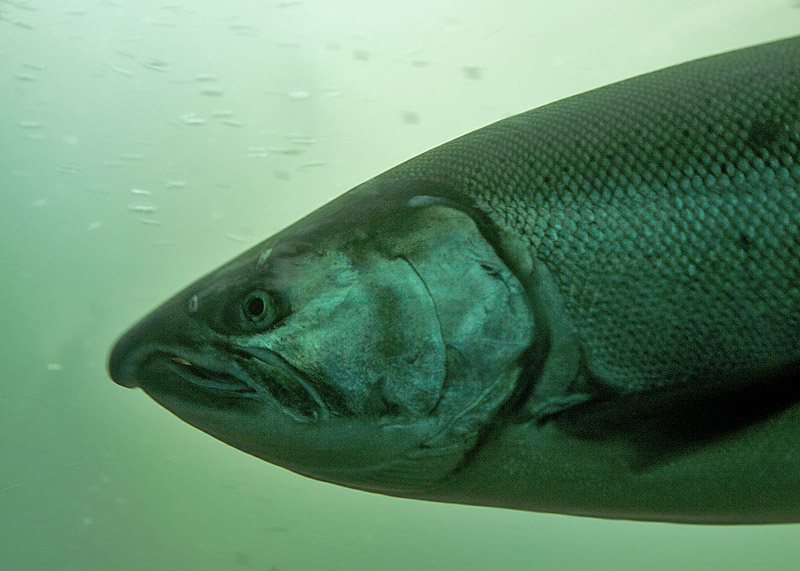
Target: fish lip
241, 376
199, 371
214, 374
196, 370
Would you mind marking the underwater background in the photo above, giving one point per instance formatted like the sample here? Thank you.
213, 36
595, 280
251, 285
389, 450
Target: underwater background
145, 142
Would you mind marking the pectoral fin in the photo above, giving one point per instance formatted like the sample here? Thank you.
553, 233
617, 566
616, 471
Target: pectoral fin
663, 424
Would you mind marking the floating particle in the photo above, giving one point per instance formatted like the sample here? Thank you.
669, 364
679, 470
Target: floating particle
24, 77
93, 226
131, 156
176, 183
33, 66
123, 53
70, 140
410, 117
284, 151
472, 72
222, 113
35, 137
68, 169
314, 164
235, 238
142, 208
361, 55
296, 95
24, 25
40, 202
121, 71
23, 5
205, 77
243, 29
421, 63
140, 191
256, 152
155, 64
11, 487
30, 124
55, 367
192, 119
149, 221
233, 123
211, 92
113, 164
298, 139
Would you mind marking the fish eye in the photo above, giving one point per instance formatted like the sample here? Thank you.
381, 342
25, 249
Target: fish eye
257, 306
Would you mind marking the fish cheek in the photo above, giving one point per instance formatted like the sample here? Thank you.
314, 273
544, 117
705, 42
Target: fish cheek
375, 338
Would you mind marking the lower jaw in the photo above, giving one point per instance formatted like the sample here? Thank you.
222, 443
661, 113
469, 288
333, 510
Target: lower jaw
162, 383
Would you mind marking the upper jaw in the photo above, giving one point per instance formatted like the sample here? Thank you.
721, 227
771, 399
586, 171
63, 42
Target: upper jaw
175, 369
217, 375
205, 373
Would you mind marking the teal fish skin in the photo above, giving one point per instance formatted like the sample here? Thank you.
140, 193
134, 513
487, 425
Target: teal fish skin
590, 308
665, 207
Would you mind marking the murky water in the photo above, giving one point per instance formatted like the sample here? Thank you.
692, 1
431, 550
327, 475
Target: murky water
142, 143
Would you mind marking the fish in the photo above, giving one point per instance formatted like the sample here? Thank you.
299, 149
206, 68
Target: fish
590, 308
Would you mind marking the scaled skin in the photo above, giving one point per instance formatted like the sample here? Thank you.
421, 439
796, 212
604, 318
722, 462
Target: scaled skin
590, 308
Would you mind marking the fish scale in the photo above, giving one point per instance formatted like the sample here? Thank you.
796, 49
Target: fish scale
664, 206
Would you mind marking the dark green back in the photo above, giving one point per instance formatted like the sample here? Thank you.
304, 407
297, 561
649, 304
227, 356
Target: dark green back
666, 208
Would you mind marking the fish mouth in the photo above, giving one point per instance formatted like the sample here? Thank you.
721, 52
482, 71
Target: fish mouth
240, 375
218, 374
207, 378
195, 379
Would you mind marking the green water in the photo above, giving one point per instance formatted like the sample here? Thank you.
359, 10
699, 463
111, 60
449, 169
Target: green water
145, 142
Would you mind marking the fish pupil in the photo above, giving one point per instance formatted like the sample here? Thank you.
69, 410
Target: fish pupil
255, 306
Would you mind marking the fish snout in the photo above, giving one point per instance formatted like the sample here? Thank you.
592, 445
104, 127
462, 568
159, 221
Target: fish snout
160, 329
122, 362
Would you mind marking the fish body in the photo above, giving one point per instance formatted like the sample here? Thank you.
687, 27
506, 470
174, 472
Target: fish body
591, 308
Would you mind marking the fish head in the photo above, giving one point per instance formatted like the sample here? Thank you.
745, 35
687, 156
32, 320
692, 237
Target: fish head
370, 346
